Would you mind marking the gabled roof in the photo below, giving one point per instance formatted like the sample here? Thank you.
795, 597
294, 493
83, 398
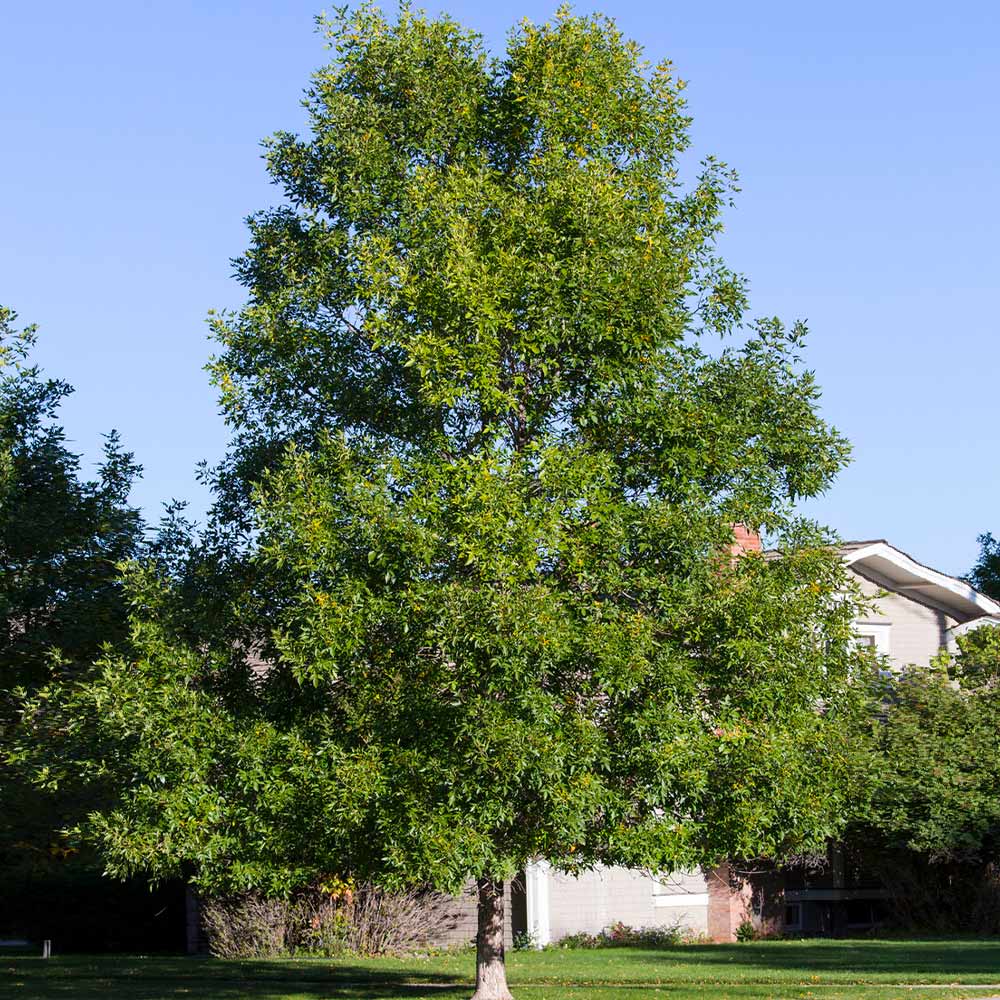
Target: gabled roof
895, 570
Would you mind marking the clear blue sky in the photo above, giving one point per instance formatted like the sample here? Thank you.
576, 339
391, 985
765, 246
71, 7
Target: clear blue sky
866, 136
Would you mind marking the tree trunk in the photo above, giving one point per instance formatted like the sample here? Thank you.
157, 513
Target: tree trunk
491, 974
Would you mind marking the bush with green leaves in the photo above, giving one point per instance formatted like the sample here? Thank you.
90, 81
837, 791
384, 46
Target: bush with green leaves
929, 822
621, 935
935, 772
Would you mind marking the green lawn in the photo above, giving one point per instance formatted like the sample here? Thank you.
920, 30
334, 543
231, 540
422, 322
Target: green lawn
824, 970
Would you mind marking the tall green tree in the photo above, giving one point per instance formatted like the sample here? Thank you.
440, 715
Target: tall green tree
985, 575
489, 447
61, 596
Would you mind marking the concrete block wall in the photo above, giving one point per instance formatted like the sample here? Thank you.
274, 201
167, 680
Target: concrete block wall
596, 899
460, 922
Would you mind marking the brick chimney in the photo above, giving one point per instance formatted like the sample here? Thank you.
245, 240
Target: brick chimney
744, 540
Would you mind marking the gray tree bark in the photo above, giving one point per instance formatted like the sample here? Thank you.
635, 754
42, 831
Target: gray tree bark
491, 973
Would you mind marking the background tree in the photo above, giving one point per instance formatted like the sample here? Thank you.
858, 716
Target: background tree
985, 575
931, 822
488, 454
61, 596
938, 777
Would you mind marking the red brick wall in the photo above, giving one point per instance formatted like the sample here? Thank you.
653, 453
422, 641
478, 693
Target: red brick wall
729, 902
733, 899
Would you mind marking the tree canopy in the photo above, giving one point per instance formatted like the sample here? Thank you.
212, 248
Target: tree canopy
61, 597
497, 404
935, 772
985, 575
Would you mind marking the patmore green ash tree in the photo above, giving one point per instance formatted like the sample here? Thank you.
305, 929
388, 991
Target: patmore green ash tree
490, 442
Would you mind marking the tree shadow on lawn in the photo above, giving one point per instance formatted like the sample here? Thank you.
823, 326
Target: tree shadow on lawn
741, 967
907, 960
134, 979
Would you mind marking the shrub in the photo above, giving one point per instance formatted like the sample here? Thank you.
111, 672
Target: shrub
365, 921
940, 898
246, 926
524, 941
619, 935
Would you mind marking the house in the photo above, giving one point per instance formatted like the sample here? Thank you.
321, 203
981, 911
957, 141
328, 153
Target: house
917, 611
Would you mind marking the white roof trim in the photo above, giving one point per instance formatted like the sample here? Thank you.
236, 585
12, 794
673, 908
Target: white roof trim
987, 621
970, 626
908, 576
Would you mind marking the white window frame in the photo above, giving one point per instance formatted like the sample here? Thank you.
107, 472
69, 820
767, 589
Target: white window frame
879, 631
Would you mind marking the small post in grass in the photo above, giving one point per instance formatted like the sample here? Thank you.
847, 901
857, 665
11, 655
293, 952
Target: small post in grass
47, 948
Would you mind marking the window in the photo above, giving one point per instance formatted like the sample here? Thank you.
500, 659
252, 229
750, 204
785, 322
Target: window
873, 635
865, 912
793, 916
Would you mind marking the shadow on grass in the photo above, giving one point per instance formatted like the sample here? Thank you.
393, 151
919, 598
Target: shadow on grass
907, 960
204, 979
682, 972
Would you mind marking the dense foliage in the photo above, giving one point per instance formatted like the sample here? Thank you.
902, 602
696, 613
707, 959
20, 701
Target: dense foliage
937, 755
489, 448
985, 575
929, 825
61, 597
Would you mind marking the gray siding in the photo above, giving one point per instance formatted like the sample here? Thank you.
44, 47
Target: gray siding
917, 631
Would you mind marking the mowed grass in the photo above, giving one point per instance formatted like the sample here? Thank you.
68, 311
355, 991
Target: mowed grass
819, 970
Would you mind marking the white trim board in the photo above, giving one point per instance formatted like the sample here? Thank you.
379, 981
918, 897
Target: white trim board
536, 902
686, 900
905, 575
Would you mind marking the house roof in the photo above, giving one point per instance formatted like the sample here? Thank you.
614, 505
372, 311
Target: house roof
897, 571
